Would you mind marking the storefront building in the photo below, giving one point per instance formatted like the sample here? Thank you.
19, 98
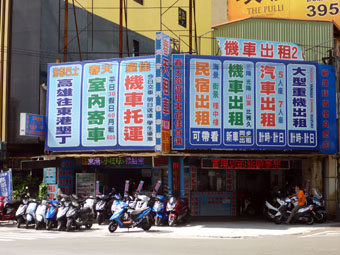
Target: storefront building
257, 119
241, 128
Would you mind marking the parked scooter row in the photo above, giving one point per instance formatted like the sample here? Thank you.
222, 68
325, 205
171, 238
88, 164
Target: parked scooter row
279, 209
66, 213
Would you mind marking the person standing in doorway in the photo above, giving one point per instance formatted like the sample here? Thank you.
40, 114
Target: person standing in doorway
301, 202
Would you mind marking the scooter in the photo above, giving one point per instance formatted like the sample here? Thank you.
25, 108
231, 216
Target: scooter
271, 209
319, 212
303, 215
20, 213
159, 210
78, 216
40, 219
178, 210
140, 218
62, 210
51, 215
90, 202
31, 212
103, 206
8, 208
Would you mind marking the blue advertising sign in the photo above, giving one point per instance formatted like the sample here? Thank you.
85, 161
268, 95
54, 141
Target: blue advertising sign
178, 106
271, 104
327, 110
64, 106
99, 102
302, 124
205, 100
6, 184
234, 103
50, 175
137, 103
102, 105
239, 121
32, 124
163, 52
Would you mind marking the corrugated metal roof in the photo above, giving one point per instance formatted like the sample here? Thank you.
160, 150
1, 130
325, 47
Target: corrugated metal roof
315, 38
337, 28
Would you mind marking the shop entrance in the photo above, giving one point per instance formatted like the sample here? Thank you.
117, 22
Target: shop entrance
115, 178
253, 188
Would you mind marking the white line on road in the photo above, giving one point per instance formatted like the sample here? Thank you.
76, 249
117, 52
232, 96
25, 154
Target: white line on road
324, 233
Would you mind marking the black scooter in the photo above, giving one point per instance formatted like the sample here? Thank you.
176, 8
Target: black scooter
318, 202
103, 206
78, 216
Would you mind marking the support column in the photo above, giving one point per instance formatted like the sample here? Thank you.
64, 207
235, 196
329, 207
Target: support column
170, 175
331, 185
181, 176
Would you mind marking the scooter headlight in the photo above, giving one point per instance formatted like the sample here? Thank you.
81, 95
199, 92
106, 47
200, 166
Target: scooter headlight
158, 206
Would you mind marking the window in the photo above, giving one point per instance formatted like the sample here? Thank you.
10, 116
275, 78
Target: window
182, 17
135, 48
139, 1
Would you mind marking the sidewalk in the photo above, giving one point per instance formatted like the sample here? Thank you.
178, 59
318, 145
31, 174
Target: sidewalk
199, 229
230, 229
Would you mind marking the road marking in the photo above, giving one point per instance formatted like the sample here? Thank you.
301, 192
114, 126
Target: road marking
21, 235
323, 233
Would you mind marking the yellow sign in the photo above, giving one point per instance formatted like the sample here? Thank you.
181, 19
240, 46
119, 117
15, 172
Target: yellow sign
327, 10
165, 141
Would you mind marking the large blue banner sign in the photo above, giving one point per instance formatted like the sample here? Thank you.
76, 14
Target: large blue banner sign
235, 103
101, 105
6, 184
326, 109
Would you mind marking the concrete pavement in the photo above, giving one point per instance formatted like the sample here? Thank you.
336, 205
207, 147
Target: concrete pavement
203, 229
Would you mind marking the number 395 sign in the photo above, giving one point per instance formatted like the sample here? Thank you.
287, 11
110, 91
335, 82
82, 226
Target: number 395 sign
328, 10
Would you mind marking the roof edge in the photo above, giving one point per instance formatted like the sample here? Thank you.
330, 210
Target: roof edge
275, 18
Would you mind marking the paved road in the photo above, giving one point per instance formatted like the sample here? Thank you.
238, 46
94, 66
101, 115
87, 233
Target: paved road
230, 238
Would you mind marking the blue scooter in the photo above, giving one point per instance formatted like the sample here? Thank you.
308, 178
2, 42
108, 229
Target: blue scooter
159, 210
137, 218
51, 215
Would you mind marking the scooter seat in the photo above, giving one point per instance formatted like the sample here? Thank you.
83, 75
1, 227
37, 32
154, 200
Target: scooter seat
85, 210
14, 203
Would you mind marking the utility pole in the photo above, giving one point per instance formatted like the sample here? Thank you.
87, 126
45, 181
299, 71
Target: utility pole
121, 28
65, 30
190, 26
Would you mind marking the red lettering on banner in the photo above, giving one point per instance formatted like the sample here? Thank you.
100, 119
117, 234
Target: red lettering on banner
178, 89
324, 73
178, 106
325, 83
178, 63
165, 86
165, 67
324, 93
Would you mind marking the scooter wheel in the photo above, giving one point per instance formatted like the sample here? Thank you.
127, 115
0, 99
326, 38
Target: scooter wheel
27, 225
59, 227
158, 221
172, 221
88, 225
310, 219
68, 226
278, 219
320, 217
113, 226
37, 225
49, 225
19, 222
99, 219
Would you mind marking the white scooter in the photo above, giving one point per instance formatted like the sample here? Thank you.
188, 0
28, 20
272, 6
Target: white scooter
20, 213
40, 219
30, 212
